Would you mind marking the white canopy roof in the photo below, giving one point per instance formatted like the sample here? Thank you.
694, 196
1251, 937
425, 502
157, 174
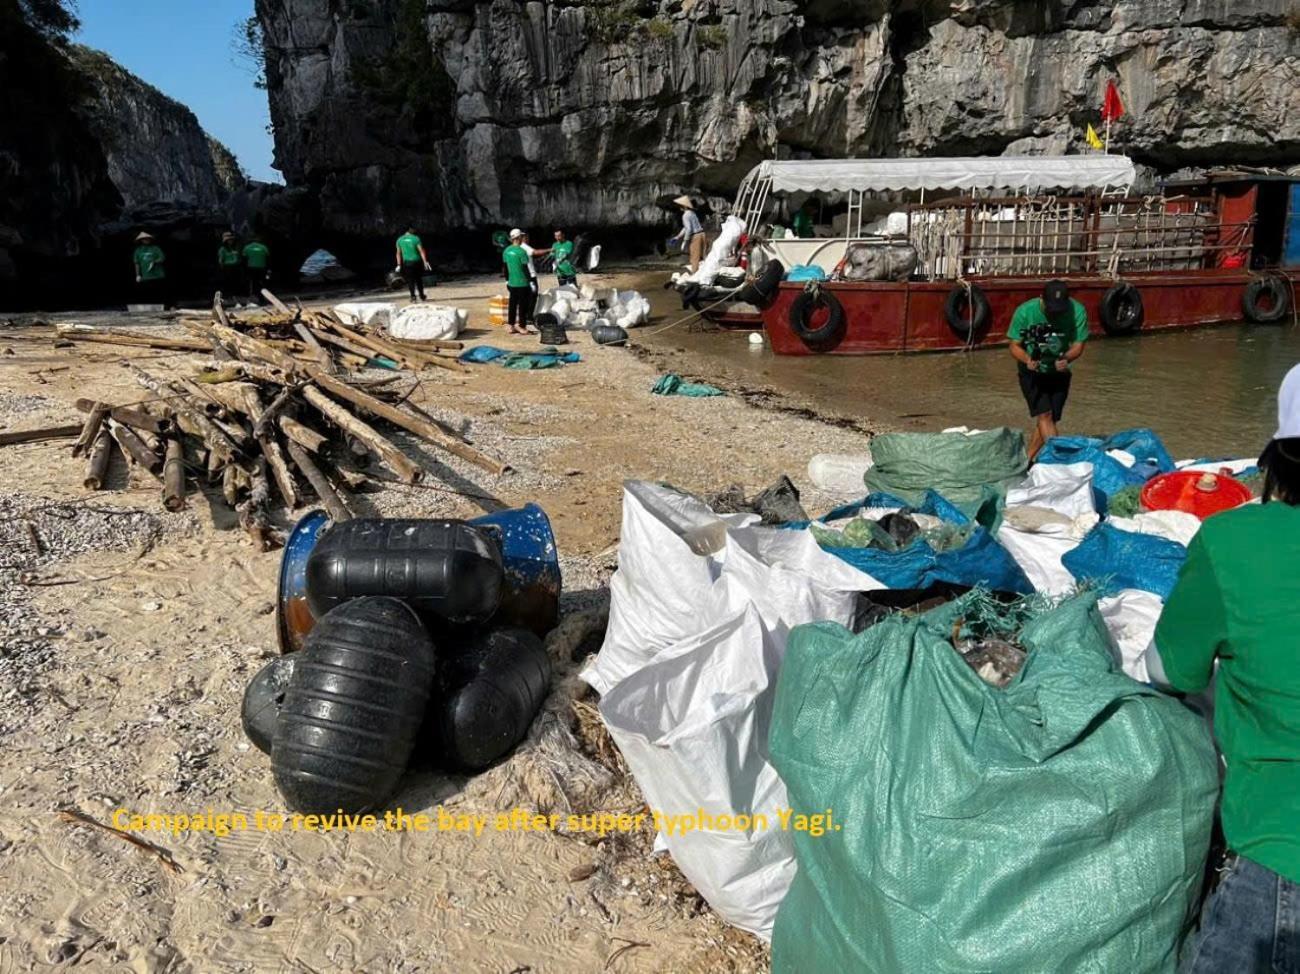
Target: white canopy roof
982, 172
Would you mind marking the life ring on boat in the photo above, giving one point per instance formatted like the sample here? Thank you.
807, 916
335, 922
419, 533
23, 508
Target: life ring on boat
761, 290
1266, 299
825, 336
1122, 312
967, 310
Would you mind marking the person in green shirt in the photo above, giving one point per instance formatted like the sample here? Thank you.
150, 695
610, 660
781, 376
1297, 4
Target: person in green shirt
562, 255
230, 267
150, 270
1236, 607
412, 262
257, 259
802, 222
519, 283
1046, 335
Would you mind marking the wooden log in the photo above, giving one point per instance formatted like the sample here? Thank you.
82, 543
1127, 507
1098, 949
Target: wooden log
41, 434
304, 436
91, 430
409, 358
253, 516
364, 354
173, 492
132, 338
248, 347
276, 303
200, 397
237, 397
230, 484
97, 463
425, 430
395, 459
135, 449
318, 350
235, 371
329, 497
267, 415
130, 416
191, 420
427, 343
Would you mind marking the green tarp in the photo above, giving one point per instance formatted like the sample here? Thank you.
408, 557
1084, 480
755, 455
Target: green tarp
1059, 824
672, 384
972, 471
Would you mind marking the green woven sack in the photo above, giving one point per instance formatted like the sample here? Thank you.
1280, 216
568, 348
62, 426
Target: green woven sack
1060, 824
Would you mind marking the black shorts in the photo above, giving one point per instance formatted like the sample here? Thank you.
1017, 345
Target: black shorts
1045, 392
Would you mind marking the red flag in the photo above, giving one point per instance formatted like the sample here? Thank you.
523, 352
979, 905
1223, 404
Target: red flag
1112, 109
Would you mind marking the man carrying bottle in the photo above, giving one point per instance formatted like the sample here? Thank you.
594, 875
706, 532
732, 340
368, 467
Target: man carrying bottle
1046, 335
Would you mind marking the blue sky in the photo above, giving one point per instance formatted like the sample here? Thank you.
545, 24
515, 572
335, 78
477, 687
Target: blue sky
184, 48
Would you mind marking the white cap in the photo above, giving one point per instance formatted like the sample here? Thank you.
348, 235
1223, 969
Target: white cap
516, 232
1288, 406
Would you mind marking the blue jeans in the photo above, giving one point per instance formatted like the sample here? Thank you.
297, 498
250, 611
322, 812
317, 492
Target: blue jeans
1250, 925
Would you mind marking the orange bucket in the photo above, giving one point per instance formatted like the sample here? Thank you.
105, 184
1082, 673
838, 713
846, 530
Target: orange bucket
1196, 493
498, 309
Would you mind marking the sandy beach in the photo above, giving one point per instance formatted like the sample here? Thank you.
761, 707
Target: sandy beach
129, 635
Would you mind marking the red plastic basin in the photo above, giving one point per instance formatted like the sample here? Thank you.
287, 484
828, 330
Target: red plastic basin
1195, 492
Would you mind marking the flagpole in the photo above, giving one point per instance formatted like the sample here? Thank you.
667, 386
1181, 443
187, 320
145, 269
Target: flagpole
1108, 136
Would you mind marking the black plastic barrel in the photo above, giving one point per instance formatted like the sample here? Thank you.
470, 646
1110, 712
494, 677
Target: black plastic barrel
486, 697
263, 699
355, 703
449, 569
608, 335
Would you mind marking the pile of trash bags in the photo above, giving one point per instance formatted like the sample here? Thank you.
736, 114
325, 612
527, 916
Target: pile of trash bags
1024, 609
418, 641
416, 322
589, 307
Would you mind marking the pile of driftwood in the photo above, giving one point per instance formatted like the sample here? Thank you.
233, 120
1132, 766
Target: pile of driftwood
277, 403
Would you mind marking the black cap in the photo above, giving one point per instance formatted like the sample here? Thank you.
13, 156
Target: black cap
1056, 297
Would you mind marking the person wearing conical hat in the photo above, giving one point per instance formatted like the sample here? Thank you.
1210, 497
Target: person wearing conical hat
691, 236
150, 272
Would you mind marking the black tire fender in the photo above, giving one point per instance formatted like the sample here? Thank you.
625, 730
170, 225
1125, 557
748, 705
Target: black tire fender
967, 311
827, 336
1122, 312
1278, 291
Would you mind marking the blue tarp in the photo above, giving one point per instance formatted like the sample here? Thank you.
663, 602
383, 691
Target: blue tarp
980, 561
805, 272
1125, 559
544, 359
1109, 475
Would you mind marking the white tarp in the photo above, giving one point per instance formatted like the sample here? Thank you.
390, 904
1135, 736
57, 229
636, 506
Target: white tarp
425, 322
1029, 173
1045, 519
370, 313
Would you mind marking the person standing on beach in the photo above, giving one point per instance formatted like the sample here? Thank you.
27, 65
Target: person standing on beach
533, 253
412, 263
150, 272
230, 267
562, 253
691, 236
1232, 619
257, 257
519, 283
1046, 335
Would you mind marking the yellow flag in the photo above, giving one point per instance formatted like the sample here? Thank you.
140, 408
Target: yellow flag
1094, 139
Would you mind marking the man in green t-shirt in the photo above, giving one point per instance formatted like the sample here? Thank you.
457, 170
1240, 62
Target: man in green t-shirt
230, 267
519, 283
1046, 335
1233, 617
257, 259
562, 255
150, 272
412, 263
802, 221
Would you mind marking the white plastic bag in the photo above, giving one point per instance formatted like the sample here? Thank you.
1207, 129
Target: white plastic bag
422, 322
369, 313
1131, 616
692, 726
840, 473
1046, 517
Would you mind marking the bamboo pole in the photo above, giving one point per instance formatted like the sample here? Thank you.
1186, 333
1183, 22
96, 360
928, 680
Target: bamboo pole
199, 425
318, 350
130, 416
91, 429
248, 346
39, 435
253, 517
334, 505
304, 436
97, 463
173, 492
410, 357
131, 338
426, 431
135, 449
394, 458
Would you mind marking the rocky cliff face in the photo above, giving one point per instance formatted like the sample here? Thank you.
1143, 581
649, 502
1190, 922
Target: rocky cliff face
89, 153
455, 113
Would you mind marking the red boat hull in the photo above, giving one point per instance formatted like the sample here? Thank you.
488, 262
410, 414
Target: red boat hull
909, 317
